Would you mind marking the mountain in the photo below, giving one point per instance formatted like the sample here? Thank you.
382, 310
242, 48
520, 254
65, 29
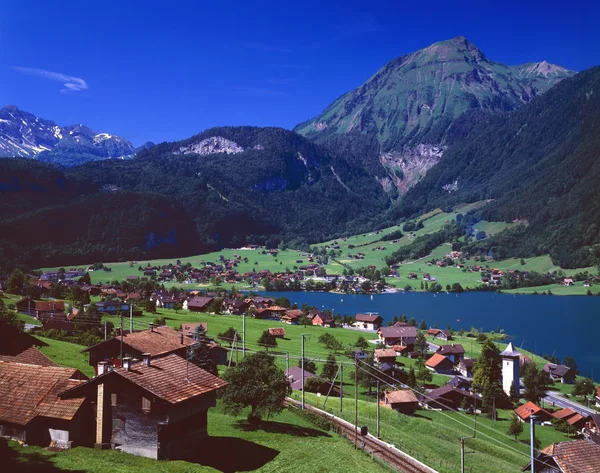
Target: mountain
407, 107
539, 165
224, 187
22, 134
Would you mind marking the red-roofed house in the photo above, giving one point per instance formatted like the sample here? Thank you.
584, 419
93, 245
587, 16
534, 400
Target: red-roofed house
277, 332
402, 400
440, 364
368, 321
528, 409
575, 456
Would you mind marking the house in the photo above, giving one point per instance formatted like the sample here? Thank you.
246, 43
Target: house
561, 373
32, 411
385, 355
189, 330
575, 456
236, 306
528, 409
155, 408
272, 312
567, 282
277, 332
440, 364
368, 321
405, 335
401, 400
156, 341
460, 383
360, 354
14, 342
323, 320
455, 352
30, 356
564, 414
440, 334
40, 309
292, 316
465, 367
198, 304
597, 397
449, 398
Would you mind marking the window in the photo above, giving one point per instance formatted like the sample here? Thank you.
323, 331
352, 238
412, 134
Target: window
146, 404
113, 399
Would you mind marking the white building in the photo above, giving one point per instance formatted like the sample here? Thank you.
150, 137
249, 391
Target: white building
510, 370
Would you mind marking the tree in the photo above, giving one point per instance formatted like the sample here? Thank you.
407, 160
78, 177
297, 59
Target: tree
330, 368
15, 282
515, 427
150, 306
536, 382
423, 374
309, 365
487, 375
584, 388
421, 343
570, 362
366, 372
267, 340
257, 383
361, 343
229, 335
177, 306
199, 353
411, 382
423, 325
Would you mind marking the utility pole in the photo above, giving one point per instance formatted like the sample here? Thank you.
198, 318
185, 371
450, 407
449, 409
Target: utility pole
378, 424
356, 403
244, 335
462, 455
287, 362
105, 330
130, 318
302, 367
121, 339
475, 417
341, 385
532, 435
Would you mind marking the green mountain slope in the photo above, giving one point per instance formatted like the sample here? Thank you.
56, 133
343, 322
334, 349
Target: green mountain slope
410, 103
540, 164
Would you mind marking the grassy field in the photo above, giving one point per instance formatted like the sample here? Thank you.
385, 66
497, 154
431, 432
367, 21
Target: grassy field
285, 443
67, 354
434, 437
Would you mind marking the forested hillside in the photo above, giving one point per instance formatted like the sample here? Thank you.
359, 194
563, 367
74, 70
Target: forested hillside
539, 164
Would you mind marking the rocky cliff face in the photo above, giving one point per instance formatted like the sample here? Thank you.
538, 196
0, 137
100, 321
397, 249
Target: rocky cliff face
410, 103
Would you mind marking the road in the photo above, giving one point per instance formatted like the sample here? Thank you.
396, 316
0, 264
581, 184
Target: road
432, 346
561, 401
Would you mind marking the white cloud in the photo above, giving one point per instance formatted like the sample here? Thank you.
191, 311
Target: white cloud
70, 84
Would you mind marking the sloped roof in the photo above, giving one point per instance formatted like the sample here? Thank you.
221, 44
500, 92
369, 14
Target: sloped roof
436, 360
277, 331
576, 456
159, 341
369, 318
31, 356
510, 352
454, 349
28, 391
385, 352
528, 409
190, 329
170, 378
200, 301
399, 332
557, 370
401, 395
564, 413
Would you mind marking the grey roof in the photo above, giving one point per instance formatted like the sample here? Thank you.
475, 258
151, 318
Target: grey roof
558, 370
510, 352
398, 332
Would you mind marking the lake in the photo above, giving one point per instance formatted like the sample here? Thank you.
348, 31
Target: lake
563, 325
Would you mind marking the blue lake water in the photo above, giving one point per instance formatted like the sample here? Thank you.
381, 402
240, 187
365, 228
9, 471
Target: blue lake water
563, 325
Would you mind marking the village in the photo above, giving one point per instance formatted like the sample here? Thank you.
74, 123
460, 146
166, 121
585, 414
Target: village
142, 395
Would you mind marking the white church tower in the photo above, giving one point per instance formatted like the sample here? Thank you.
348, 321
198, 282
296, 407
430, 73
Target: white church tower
510, 370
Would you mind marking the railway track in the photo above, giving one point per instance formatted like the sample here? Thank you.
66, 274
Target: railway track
393, 457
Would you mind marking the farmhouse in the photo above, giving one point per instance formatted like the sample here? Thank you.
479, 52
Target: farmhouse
157, 342
31, 410
41, 309
449, 398
454, 352
323, 320
156, 408
575, 456
386, 355
439, 334
404, 335
561, 373
292, 316
465, 367
528, 409
277, 332
402, 400
368, 321
440, 364
197, 304
324, 387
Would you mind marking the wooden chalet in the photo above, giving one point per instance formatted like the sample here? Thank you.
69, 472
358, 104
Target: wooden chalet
575, 456
155, 408
440, 364
368, 321
528, 409
402, 400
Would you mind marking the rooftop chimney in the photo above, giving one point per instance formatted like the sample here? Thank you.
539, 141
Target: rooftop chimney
101, 367
151, 327
181, 338
146, 358
127, 363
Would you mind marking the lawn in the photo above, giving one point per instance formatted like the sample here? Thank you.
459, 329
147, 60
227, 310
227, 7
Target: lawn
434, 437
286, 442
67, 354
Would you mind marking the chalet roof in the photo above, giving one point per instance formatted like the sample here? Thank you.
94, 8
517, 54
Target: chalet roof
200, 302
30, 356
293, 313
398, 332
460, 383
436, 360
29, 391
558, 370
575, 419
170, 378
159, 341
510, 352
564, 413
467, 362
401, 396
528, 409
190, 329
49, 306
438, 394
277, 331
454, 349
368, 318
385, 353
575, 456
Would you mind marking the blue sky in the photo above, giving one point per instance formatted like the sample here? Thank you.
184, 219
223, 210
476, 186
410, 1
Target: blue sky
165, 71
